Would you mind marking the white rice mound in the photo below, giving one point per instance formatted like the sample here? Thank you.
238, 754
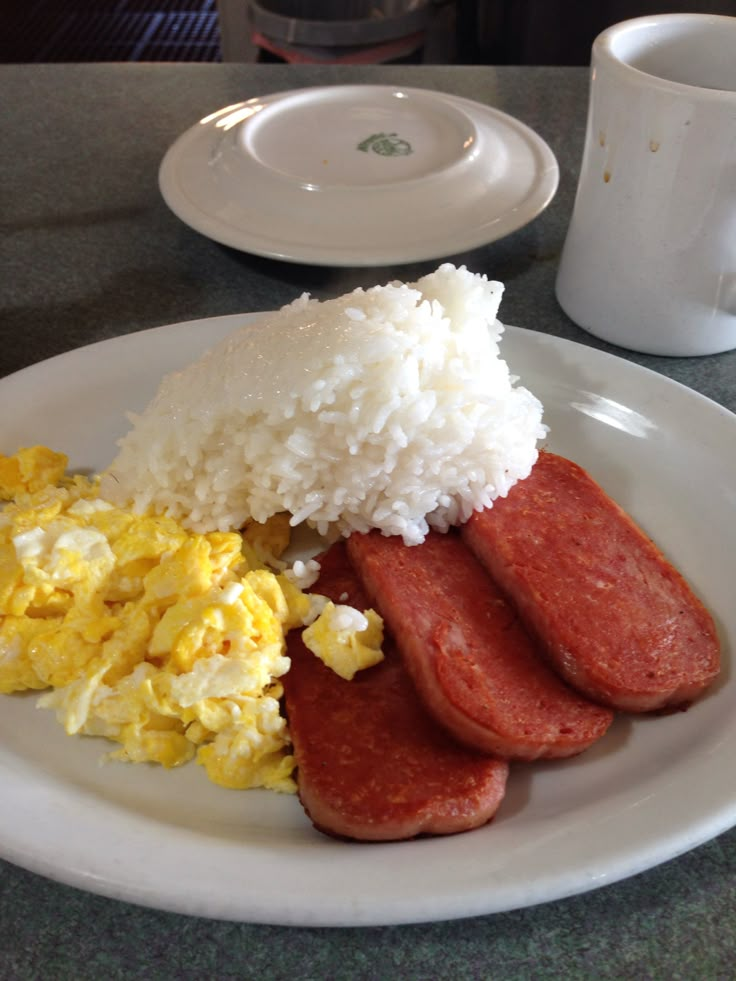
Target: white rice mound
386, 408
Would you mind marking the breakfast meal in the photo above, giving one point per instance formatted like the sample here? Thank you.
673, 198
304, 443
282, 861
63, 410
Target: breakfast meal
472, 601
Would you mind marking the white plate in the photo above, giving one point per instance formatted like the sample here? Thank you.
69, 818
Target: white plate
355, 175
652, 788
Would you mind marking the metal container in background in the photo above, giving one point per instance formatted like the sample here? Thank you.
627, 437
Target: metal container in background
339, 23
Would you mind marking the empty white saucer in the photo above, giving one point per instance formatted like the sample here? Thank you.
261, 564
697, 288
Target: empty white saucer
358, 175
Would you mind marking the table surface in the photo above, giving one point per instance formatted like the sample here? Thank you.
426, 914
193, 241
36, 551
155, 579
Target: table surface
89, 251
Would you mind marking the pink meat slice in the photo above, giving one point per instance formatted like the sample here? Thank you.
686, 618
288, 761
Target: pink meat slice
617, 621
473, 664
372, 764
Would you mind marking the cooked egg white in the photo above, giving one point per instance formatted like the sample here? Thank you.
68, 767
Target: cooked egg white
169, 643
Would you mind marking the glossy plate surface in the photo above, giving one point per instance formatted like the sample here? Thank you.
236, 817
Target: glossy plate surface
651, 789
358, 175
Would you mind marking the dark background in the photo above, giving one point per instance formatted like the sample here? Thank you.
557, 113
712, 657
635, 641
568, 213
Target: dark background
552, 32
541, 32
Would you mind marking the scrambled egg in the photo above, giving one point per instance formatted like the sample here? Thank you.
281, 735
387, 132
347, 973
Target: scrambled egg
345, 639
167, 642
30, 469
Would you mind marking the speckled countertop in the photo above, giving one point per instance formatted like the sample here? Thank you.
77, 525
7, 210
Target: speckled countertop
89, 251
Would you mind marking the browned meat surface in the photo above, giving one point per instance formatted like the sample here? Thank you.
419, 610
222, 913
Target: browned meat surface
372, 764
616, 619
474, 665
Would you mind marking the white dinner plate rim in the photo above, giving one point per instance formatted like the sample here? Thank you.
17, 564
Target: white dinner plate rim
448, 241
74, 855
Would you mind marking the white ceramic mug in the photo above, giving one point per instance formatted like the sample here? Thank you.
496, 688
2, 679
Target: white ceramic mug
649, 261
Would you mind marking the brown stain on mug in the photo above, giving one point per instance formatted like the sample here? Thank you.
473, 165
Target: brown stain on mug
606, 176
654, 145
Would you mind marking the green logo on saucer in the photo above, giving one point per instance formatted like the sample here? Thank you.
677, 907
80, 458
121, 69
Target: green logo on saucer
386, 145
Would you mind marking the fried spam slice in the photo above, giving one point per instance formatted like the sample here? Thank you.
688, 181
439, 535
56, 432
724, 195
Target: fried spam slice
616, 619
372, 764
473, 664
